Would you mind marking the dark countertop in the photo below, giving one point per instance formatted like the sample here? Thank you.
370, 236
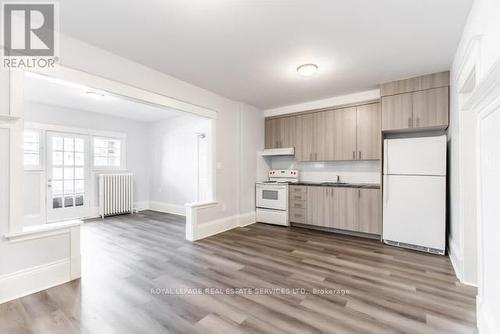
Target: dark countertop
342, 185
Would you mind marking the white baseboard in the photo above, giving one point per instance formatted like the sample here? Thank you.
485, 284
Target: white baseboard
31, 280
140, 206
456, 259
207, 229
245, 219
175, 209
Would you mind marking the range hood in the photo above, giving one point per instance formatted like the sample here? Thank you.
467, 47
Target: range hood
278, 151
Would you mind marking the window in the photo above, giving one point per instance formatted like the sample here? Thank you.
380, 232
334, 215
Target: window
107, 152
32, 149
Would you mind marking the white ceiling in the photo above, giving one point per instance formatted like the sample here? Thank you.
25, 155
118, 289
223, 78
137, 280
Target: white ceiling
248, 50
39, 89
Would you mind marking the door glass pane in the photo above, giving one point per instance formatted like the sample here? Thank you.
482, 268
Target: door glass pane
69, 158
79, 145
57, 173
78, 200
57, 158
78, 159
57, 202
69, 173
79, 173
68, 201
79, 185
68, 187
69, 144
57, 143
57, 187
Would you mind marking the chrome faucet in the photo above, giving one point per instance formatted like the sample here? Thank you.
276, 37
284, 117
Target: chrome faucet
338, 178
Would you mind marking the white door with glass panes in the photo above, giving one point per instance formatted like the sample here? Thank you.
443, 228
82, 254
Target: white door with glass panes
67, 176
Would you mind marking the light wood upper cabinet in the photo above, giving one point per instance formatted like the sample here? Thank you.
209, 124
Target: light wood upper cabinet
344, 132
369, 134
273, 132
397, 112
430, 108
416, 103
304, 127
351, 133
369, 211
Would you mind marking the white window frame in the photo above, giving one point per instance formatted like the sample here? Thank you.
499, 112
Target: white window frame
122, 165
41, 150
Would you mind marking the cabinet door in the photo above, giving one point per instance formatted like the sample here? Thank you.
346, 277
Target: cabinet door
345, 208
269, 134
369, 141
289, 134
320, 130
304, 130
316, 206
370, 211
344, 134
397, 112
430, 108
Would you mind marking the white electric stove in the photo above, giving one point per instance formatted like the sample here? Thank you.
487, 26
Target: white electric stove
271, 197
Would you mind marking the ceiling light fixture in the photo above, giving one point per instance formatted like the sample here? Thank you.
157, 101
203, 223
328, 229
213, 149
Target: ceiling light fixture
307, 70
95, 94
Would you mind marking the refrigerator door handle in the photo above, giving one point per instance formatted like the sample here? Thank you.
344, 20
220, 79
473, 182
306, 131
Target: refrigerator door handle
386, 192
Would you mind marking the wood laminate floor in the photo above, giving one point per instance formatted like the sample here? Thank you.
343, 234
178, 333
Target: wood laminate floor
338, 284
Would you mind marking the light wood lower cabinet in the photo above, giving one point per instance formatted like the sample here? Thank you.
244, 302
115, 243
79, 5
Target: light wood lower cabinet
345, 208
369, 211
349, 209
316, 206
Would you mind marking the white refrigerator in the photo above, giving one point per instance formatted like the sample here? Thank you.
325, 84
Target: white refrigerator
414, 193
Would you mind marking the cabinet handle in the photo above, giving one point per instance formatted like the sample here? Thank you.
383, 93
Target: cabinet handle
359, 155
359, 193
409, 122
353, 155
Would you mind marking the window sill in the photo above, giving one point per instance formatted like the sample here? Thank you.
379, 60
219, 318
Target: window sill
42, 231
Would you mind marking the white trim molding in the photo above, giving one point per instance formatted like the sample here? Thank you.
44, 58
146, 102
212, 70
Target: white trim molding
335, 101
175, 209
196, 230
30, 280
484, 101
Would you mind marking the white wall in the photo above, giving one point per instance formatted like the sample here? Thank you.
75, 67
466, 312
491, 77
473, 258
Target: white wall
174, 161
251, 142
137, 146
473, 189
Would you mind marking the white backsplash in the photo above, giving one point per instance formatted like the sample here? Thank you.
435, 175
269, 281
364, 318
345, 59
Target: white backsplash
349, 171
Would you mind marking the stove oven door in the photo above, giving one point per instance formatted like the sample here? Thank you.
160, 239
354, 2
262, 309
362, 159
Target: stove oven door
273, 196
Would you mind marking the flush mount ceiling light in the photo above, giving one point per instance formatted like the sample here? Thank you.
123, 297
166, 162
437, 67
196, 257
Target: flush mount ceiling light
95, 94
307, 70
